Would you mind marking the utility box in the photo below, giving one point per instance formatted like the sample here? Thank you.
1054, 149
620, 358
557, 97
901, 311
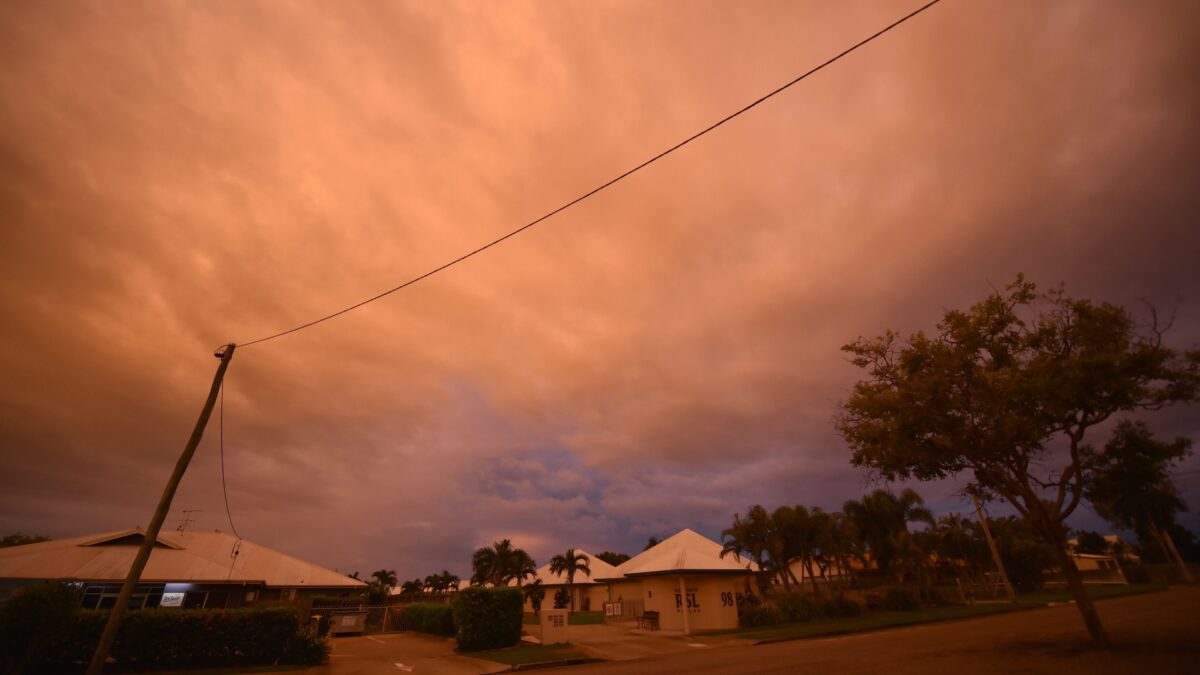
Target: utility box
347, 621
554, 626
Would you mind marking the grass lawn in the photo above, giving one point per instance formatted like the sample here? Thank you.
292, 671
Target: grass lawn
877, 620
524, 654
1095, 592
585, 618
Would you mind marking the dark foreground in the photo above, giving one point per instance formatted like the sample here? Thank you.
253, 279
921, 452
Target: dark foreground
1154, 633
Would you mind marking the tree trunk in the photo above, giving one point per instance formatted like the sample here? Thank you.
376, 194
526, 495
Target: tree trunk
808, 569
1183, 568
1159, 539
1087, 610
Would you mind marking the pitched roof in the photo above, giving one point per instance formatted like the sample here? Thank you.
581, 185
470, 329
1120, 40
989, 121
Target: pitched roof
177, 556
685, 551
600, 570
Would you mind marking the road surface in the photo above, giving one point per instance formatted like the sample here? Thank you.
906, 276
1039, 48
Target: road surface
1155, 633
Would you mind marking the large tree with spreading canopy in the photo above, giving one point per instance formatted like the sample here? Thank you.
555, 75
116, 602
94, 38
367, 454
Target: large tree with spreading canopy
1007, 391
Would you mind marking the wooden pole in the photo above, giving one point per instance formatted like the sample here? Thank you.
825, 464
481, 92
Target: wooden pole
987, 533
160, 514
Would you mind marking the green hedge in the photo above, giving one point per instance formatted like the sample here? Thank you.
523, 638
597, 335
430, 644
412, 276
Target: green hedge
488, 618
173, 638
900, 600
429, 617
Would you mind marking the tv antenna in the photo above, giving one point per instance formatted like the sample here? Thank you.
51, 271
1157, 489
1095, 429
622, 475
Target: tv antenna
187, 519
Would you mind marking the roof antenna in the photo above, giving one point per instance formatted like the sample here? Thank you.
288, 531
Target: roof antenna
187, 519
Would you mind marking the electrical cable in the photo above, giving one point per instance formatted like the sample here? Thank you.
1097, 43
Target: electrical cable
224, 489
595, 190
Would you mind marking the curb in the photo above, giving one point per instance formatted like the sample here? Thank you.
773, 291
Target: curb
555, 664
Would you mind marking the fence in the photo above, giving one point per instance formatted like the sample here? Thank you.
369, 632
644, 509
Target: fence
380, 618
625, 610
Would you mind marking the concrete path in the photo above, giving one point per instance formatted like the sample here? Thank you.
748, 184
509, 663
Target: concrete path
398, 653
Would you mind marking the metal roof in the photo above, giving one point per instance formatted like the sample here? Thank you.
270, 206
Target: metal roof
600, 570
189, 557
685, 552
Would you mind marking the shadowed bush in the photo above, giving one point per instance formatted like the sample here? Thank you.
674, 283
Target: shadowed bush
900, 600
488, 618
172, 638
760, 615
429, 617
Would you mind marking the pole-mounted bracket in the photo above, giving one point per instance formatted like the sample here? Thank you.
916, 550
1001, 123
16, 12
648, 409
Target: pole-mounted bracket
220, 353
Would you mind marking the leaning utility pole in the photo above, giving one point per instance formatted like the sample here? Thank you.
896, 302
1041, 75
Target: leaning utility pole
160, 514
987, 533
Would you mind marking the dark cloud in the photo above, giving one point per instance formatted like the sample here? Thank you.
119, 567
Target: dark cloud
174, 177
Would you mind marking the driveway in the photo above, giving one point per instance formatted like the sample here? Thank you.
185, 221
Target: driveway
397, 653
621, 641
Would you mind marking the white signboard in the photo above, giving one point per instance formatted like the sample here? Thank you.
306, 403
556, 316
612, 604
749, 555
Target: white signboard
171, 600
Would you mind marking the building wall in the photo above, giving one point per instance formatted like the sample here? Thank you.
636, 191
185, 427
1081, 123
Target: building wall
709, 600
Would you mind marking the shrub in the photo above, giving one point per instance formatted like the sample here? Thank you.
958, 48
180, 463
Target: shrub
899, 600
840, 608
169, 638
759, 615
32, 620
488, 618
797, 607
429, 617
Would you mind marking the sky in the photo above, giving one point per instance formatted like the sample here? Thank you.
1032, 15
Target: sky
175, 176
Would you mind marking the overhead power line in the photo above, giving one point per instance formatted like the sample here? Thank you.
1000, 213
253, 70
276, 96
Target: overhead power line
603, 186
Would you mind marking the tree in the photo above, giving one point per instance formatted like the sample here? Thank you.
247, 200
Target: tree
410, 590
1003, 391
535, 593
381, 584
651, 543
33, 620
1090, 542
1131, 489
501, 563
441, 584
751, 536
881, 520
20, 539
569, 564
611, 558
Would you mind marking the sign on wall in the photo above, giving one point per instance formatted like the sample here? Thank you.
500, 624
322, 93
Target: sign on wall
171, 600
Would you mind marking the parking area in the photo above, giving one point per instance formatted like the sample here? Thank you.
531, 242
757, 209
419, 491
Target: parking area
393, 653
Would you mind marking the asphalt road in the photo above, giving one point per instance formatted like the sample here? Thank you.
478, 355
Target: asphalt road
1155, 633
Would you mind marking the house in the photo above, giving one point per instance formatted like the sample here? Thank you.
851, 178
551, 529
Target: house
686, 580
186, 569
586, 592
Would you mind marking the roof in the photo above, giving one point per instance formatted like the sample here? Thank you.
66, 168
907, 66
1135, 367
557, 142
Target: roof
193, 557
684, 552
600, 570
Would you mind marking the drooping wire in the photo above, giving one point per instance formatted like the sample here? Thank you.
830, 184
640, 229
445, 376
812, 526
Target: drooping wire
224, 489
595, 190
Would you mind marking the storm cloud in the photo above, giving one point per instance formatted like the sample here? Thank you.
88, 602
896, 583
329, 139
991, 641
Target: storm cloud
175, 176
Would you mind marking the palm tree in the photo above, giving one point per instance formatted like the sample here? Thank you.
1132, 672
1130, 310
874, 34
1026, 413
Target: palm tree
385, 578
380, 586
755, 536
411, 589
881, 519
500, 563
534, 593
569, 563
